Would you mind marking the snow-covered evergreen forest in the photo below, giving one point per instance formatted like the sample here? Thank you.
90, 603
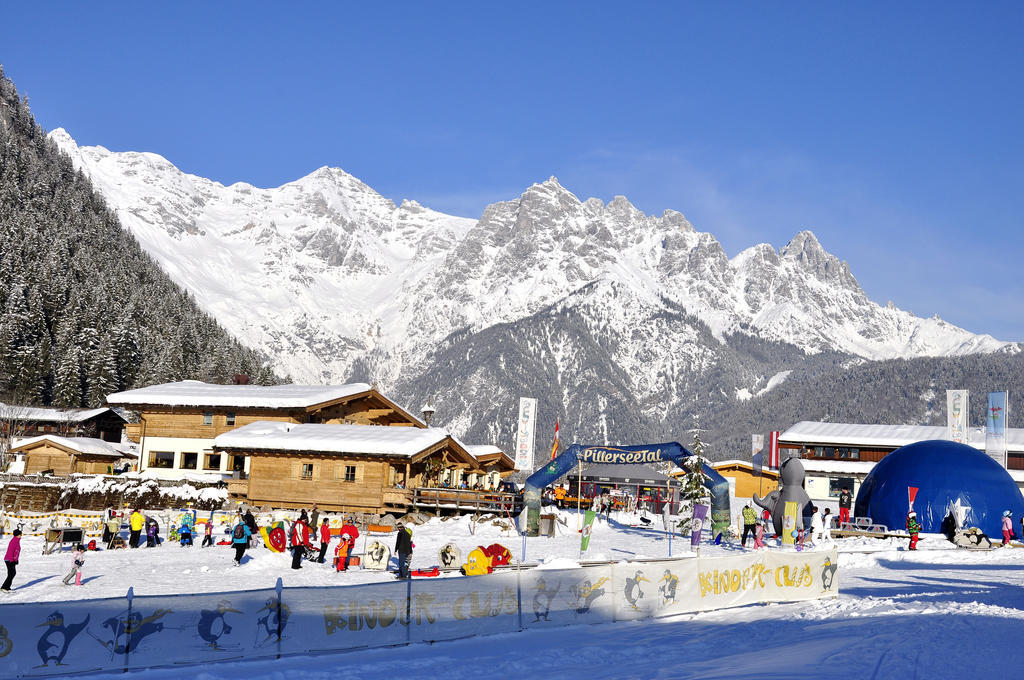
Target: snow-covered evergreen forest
84, 312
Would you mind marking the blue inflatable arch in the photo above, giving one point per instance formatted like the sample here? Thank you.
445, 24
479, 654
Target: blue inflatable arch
622, 455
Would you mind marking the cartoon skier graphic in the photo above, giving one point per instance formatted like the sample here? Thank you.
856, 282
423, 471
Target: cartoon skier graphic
275, 620
542, 600
213, 623
129, 631
585, 594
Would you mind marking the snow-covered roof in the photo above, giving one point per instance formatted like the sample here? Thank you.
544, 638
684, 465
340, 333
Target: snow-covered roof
855, 467
57, 415
885, 436
477, 450
196, 393
84, 445
326, 438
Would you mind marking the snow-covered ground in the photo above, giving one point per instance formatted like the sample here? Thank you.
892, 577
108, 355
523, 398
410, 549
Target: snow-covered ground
939, 612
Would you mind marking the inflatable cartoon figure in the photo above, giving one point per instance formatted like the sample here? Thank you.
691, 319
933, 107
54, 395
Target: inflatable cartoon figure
477, 562
791, 488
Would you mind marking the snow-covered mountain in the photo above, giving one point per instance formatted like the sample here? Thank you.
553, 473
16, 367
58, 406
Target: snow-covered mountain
335, 282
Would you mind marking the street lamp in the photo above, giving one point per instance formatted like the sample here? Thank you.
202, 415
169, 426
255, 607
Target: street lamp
428, 412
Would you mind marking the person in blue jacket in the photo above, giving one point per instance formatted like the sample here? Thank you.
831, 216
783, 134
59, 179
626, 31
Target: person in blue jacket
240, 540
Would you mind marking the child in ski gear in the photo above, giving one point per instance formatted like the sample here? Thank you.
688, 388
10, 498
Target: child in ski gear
207, 534
186, 534
11, 559
1007, 527
749, 521
77, 561
826, 520
151, 527
913, 528
325, 538
759, 535
239, 540
817, 525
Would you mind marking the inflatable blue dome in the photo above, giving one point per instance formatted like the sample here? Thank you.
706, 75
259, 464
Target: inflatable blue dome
948, 476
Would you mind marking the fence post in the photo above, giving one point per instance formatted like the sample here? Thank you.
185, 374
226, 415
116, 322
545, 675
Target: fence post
519, 593
127, 632
279, 587
408, 606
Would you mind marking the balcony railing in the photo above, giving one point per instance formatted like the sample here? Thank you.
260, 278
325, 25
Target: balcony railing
461, 500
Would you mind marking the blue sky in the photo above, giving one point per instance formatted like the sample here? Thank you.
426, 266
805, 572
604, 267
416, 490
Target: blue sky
894, 131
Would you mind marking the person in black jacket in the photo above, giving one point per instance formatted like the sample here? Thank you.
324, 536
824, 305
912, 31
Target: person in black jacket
403, 548
250, 522
845, 501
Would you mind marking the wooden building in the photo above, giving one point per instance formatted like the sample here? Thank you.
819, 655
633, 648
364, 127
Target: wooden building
745, 483
51, 454
31, 421
346, 467
179, 421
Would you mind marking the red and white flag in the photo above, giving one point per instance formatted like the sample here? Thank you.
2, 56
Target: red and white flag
911, 495
554, 445
773, 450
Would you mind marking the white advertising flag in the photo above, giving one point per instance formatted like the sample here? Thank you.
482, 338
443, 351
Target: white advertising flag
524, 435
957, 403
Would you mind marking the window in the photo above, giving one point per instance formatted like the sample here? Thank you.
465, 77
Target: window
189, 461
161, 459
208, 418
212, 461
350, 473
237, 463
229, 419
307, 471
837, 484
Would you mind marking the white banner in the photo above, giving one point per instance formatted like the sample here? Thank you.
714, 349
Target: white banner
957, 407
39, 639
525, 433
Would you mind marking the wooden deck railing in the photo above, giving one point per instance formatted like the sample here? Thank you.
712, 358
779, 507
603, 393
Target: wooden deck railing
464, 500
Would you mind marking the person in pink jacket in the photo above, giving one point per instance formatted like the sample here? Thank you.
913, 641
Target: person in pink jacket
1007, 527
11, 560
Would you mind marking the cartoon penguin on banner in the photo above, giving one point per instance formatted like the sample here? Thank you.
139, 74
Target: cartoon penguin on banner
213, 624
669, 583
542, 600
276, 617
54, 643
828, 574
632, 590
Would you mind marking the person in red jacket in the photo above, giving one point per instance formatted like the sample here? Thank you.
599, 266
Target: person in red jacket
299, 540
11, 559
325, 539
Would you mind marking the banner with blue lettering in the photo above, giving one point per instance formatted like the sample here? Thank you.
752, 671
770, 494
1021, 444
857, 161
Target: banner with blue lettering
995, 430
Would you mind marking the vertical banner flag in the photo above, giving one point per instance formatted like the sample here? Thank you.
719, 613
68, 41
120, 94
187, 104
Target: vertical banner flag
957, 402
995, 430
756, 457
789, 523
700, 513
588, 526
773, 450
554, 446
911, 495
524, 436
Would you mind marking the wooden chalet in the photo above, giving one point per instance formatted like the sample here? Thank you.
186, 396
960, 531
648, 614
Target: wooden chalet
179, 421
60, 456
31, 421
345, 467
747, 483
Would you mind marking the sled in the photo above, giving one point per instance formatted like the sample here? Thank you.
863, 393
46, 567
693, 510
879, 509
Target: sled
433, 571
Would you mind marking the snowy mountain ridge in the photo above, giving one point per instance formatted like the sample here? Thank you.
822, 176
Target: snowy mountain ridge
335, 282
